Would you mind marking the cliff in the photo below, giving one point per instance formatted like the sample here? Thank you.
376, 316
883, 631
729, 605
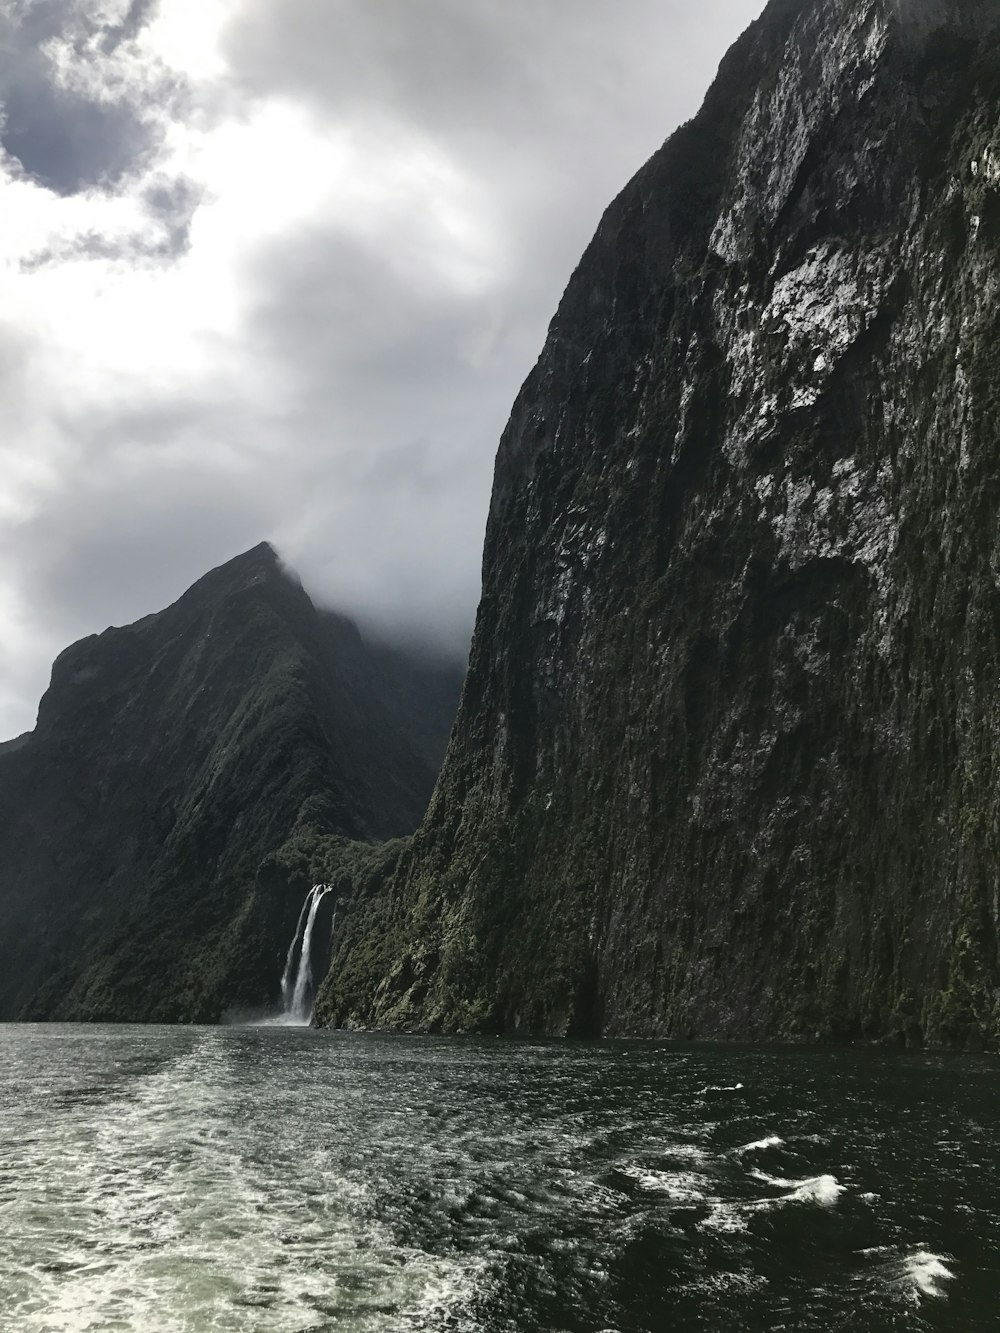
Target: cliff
726, 760
153, 827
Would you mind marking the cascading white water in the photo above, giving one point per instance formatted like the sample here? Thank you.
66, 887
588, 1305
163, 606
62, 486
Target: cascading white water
297, 996
287, 987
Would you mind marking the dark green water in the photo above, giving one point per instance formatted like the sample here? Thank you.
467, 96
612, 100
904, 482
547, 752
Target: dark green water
277, 1179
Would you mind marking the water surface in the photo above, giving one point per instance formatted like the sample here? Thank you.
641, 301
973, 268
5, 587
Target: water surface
186, 1180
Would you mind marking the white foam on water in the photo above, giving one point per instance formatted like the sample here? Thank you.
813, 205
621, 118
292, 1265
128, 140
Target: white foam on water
772, 1141
276, 1021
442, 1296
825, 1189
686, 1152
727, 1218
777, 1182
910, 1276
680, 1186
926, 1272
732, 1216
166, 1222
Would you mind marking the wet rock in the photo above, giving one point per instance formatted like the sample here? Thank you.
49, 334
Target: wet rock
726, 762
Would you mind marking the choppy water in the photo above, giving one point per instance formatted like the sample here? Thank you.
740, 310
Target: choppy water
278, 1179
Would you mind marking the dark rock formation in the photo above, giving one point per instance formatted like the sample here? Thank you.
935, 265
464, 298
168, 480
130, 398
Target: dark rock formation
727, 758
153, 826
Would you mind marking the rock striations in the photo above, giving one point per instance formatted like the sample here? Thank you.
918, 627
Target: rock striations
727, 759
160, 824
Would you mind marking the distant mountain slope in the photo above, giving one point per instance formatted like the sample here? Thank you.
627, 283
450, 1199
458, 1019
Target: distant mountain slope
727, 759
170, 758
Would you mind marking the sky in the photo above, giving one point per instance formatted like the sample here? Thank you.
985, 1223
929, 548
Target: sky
277, 270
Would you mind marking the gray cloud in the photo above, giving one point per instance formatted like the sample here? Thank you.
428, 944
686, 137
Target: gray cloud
109, 520
548, 109
475, 71
63, 135
66, 143
356, 407
170, 206
133, 21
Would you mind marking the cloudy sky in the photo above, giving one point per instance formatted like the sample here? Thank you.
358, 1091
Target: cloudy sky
276, 268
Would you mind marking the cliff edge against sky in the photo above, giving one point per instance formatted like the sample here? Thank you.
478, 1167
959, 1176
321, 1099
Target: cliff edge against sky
726, 761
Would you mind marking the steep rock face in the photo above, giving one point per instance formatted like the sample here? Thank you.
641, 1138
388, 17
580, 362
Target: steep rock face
726, 762
170, 759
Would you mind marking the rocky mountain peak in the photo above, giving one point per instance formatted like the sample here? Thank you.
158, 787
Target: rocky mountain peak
171, 759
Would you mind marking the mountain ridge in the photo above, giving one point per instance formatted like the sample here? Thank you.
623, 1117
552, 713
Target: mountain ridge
171, 760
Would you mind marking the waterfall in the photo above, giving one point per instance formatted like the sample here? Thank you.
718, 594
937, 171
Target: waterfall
297, 995
286, 976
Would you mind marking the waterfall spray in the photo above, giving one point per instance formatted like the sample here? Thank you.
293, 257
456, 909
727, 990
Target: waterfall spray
297, 995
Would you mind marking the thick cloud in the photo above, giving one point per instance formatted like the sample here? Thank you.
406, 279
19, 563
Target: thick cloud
278, 271
70, 121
